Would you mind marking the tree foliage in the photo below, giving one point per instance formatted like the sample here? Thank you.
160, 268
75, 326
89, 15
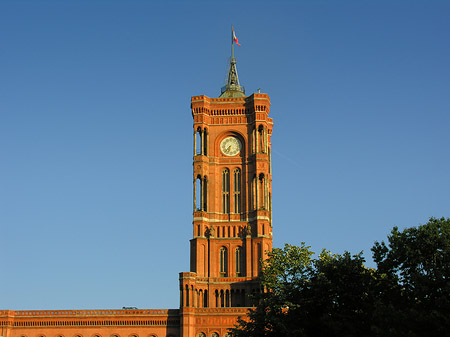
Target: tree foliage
417, 260
408, 294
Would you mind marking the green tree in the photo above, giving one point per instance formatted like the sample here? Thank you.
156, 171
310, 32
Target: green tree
283, 273
340, 297
336, 295
417, 260
329, 296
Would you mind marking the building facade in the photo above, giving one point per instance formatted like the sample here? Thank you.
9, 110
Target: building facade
232, 232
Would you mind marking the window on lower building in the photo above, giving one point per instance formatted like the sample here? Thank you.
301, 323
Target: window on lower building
238, 261
223, 262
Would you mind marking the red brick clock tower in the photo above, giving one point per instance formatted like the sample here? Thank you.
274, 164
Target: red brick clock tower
232, 232
232, 216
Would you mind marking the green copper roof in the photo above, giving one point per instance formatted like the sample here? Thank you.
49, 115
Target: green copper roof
232, 88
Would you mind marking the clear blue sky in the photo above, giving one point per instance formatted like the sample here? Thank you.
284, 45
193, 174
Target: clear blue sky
96, 133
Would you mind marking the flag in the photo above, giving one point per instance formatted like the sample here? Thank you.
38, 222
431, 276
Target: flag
235, 39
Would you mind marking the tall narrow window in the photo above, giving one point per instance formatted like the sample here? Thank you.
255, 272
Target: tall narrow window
187, 296
226, 191
262, 191
258, 247
222, 299
198, 141
205, 142
205, 193
205, 299
237, 190
223, 262
217, 298
238, 261
261, 139
254, 193
198, 193
254, 142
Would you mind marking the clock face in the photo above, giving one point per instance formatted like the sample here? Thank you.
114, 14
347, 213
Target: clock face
230, 146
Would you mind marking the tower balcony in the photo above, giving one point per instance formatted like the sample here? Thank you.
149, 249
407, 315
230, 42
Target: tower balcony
198, 213
260, 214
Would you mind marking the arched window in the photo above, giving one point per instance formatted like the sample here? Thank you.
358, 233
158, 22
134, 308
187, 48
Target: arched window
205, 193
222, 299
261, 139
237, 190
223, 262
262, 191
187, 302
226, 191
198, 141
205, 142
201, 142
200, 193
238, 261
216, 293
200, 298
254, 193
259, 252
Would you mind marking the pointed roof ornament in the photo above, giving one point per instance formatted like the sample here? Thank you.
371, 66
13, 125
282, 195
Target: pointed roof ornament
233, 88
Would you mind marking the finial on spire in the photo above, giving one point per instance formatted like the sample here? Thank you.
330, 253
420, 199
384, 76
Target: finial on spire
232, 88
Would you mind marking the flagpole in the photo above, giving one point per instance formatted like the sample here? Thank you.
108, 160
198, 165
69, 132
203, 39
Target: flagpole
232, 43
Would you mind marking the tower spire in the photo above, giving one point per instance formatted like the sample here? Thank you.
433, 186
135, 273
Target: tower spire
232, 87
